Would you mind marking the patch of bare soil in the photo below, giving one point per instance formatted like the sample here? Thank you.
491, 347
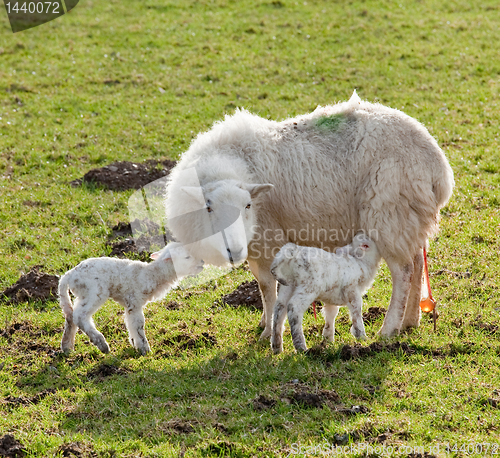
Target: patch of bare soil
247, 294
120, 176
104, 370
152, 238
357, 350
10, 447
77, 449
179, 426
305, 396
189, 341
373, 314
24, 400
488, 328
35, 285
263, 403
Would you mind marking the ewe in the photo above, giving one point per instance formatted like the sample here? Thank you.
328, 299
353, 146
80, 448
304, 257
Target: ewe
350, 167
131, 283
308, 274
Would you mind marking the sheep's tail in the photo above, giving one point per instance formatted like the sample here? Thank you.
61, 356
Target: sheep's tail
64, 298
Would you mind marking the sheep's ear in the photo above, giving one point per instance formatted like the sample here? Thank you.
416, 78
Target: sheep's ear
256, 189
155, 255
195, 192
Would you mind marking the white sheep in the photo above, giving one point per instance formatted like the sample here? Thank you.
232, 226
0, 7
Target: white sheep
250, 185
131, 283
308, 274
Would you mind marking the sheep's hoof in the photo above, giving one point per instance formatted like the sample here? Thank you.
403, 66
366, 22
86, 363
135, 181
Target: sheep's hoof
388, 334
67, 350
301, 349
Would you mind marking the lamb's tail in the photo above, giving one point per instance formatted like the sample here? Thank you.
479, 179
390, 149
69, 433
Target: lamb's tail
64, 298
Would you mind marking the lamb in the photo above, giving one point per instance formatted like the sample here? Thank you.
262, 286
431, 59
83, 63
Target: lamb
250, 185
131, 283
308, 274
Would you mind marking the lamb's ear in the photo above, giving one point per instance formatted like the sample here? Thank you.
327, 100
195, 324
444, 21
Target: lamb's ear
195, 192
256, 189
155, 255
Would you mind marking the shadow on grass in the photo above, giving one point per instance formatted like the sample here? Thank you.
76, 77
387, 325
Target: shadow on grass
224, 404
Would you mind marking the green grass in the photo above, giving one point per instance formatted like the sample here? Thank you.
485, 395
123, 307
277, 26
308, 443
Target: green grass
138, 80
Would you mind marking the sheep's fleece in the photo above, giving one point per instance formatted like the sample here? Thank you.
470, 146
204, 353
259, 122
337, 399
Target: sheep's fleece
354, 166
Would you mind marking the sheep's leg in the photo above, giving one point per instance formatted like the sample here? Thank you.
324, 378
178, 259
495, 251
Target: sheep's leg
330, 313
267, 285
297, 306
279, 315
355, 306
69, 334
135, 321
412, 312
401, 283
82, 316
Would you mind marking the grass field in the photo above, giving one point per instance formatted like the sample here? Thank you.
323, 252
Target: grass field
129, 80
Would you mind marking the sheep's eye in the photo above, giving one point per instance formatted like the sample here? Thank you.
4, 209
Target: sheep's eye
248, 206
209, 209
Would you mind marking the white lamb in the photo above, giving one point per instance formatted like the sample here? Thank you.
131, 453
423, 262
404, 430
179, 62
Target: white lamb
131, 283
308, 274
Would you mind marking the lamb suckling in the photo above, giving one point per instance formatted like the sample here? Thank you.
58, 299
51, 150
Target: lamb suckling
308, 274
350, 167
131, 283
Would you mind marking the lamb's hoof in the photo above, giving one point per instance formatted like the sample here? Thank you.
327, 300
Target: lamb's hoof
266, 335
144, 351
277, 348
67, 350
104, 347
301, 349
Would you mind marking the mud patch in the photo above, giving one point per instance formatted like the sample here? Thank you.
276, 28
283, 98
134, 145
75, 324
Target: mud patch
189, 341
356, 351
304, 396
149, 237
104, 370
179, 426
10, 447
247, 294
373, 314
77, 449
33, 286
24, 401
120, 176
263, 403
488, 328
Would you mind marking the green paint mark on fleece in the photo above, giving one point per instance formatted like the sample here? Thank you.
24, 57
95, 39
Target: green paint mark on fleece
331, 123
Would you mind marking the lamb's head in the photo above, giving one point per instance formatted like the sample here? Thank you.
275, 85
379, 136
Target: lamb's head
219, 220
184, 263
361, 246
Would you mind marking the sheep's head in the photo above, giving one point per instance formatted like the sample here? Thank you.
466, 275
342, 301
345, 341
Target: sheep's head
361, 246
218, 220
184, 263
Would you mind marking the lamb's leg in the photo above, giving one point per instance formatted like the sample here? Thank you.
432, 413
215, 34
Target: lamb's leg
401, 283
330, 312
82, 316
279, 315
135, 321
69, 334
267, 285
412, 312
355, 306
298, 304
